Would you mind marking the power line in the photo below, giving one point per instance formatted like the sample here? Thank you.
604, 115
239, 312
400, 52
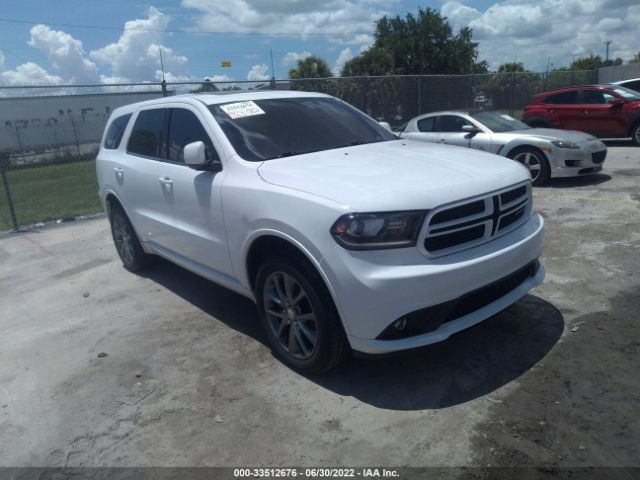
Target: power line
189, 31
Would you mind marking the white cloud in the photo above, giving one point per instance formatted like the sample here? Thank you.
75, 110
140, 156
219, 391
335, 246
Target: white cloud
258, 73
136, 54
561, 29
29, 74
1, 61
344, 57
65, 54
293, 57
352, 19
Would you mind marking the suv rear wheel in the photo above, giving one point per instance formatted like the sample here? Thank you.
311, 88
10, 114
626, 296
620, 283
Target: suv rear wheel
126, 241
535, 161
635, 134
298, 314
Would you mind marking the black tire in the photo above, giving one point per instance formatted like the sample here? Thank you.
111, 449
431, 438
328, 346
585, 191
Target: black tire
535, 161
635, 134
126, 241
331, 346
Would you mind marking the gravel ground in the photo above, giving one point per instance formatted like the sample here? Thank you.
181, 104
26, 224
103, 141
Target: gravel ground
552, 382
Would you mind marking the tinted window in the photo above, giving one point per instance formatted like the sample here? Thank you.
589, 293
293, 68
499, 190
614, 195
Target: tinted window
146, 137
635, 85
184, 128
565, 98
451, 123
595, 97
427, 124
284, 127
114, 134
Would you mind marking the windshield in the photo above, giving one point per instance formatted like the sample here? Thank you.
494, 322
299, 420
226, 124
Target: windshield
275, 128
627, 93
499, 122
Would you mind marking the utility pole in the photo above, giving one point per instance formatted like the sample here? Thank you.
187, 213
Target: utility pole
164, 83
273, 74
606, 57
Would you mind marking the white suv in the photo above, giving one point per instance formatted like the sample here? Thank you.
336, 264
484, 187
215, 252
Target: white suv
345, 236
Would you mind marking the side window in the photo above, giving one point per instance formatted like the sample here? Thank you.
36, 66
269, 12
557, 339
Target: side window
633, 85
593, 97
427, 124
184, 128
451, 123
146, 137
115, 132
564, 98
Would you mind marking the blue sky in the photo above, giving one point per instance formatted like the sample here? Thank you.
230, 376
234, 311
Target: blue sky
43, 52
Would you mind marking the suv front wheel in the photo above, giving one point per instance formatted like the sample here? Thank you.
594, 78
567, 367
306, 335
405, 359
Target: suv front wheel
298, 314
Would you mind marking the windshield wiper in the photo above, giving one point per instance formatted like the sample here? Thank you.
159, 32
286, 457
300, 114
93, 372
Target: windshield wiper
288, 154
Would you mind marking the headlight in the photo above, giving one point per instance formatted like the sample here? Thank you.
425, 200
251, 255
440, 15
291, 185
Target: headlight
565, 144
372, 231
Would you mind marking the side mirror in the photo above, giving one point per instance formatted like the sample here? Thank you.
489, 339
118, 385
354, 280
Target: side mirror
471, 130
195, 156
385, 125
616, 102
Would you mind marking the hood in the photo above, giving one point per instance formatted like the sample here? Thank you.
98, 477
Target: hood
395, 175
552, 134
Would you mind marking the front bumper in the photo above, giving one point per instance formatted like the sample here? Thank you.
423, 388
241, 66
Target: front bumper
566, 162
372, 289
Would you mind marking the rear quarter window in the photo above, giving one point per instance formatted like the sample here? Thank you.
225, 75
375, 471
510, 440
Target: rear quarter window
116, 130
563, 98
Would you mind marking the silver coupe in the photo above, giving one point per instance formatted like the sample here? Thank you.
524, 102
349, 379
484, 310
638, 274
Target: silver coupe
545, 152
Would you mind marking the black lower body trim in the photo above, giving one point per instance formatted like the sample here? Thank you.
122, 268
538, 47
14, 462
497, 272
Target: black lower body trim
430, 318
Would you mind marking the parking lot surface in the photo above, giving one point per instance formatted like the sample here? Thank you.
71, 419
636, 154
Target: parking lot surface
101, 367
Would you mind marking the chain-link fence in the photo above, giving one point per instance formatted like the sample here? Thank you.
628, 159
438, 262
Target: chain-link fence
49, 135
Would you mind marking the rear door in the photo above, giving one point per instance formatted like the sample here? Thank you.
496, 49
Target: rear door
138, 176
426, 130
190, 198
564, 112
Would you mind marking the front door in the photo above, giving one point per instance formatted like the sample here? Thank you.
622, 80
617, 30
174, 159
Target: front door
192, 198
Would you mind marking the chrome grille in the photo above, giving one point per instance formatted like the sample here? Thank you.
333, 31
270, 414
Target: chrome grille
465, 224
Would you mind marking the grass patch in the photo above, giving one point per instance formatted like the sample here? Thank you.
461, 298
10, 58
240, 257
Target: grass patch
50, 192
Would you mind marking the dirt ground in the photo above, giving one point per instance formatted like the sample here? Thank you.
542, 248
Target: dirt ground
552, 382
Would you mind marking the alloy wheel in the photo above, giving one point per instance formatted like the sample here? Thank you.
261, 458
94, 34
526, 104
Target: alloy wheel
531, 161
290, 315
123, 239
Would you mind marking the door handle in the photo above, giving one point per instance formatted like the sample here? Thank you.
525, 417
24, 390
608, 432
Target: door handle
441, 140
166, 181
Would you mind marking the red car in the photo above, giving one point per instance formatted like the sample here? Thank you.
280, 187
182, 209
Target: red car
608, 111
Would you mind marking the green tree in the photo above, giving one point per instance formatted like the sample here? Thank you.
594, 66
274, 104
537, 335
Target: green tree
514, 67
311, 67
421, 44
207, 86
512, 86
590, 62
374, 61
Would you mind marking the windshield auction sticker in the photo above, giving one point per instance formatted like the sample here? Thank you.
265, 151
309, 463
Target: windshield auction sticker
242, 109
